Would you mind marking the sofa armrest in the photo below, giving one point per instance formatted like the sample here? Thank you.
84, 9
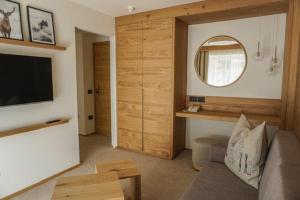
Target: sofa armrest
217, 153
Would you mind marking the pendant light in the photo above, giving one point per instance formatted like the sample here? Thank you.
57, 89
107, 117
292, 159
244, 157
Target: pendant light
258, 56
275, 61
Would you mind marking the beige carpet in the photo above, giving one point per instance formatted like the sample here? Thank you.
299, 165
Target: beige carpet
161, 179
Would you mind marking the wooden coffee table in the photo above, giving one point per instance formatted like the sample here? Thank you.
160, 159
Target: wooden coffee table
99, 187
124, 169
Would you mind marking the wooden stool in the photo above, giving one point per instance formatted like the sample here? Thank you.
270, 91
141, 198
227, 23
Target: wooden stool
125, 169
93, 186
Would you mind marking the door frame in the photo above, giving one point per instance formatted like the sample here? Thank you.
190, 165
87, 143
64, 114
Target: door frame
113, 92
113, 86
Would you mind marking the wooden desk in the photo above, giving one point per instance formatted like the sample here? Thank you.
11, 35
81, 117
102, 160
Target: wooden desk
94, 186
230, 117
124, 169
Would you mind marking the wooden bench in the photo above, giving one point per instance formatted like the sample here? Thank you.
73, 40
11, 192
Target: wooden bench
125, 169
94, 186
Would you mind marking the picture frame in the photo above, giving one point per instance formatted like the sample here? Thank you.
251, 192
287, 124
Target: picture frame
41, 26
10, 20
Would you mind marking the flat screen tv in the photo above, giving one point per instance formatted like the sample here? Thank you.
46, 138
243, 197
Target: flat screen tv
25, 79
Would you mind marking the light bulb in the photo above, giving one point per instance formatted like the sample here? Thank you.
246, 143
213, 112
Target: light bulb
274, 66
271, 70
275, 63
258, 56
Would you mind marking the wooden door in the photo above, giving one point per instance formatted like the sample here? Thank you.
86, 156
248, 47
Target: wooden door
157, 86
102, 88
129, 86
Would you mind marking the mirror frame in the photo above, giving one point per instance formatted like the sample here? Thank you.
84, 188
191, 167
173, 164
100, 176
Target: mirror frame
246, 60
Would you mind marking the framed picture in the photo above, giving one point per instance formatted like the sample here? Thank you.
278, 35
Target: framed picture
10, 20
41, 26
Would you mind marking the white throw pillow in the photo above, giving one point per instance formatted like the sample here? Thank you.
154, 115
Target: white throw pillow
246, 152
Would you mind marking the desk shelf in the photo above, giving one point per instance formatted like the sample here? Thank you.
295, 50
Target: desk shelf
32, 44
230, 117
32, 128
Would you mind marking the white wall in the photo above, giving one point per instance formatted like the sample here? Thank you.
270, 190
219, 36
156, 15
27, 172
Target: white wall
255, 83
30, 157
80, 82
113, 90
85, 80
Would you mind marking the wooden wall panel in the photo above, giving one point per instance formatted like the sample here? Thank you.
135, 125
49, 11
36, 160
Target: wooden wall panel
179, 85
129, 86
209, 8
290, 93
271, 107
286, 69
236, 13
161, 55
297, 107
157, 86
295, 62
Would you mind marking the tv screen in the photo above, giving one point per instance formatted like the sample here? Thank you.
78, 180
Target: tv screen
25, 79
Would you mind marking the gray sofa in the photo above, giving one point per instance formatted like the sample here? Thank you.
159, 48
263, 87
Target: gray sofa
280, 180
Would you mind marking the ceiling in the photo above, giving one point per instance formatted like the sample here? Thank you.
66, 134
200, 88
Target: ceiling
119, 7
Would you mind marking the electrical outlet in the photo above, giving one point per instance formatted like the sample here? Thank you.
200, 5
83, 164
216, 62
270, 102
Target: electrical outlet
201, 99
197, 99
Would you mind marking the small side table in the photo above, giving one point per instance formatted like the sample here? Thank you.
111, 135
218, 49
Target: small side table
93, 186
201, 151
125, 169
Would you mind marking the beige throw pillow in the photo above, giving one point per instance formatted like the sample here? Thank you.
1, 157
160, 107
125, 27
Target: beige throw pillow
246, 152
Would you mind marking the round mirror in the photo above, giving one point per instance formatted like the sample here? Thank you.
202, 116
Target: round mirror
220, 61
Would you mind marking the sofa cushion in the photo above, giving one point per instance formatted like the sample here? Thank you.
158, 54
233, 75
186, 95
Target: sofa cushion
247, 150
215, 182
280, 180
